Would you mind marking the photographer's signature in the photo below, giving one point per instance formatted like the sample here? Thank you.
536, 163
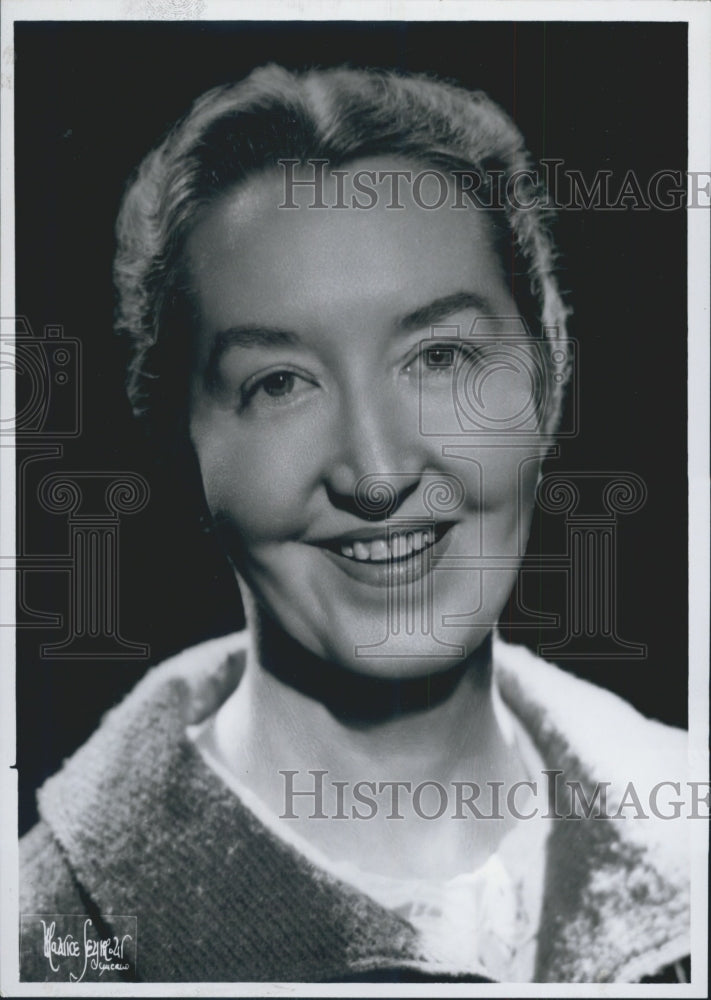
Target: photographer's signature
98, 954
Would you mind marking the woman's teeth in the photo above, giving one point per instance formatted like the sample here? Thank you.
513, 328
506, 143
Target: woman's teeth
397, 547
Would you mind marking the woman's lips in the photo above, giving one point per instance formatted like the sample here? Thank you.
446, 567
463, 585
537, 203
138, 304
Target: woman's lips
392, 558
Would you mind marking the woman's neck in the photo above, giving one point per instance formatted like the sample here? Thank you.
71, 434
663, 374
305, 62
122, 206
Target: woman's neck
298, 725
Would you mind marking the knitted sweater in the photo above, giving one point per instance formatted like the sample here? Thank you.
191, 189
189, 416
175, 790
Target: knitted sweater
137, 824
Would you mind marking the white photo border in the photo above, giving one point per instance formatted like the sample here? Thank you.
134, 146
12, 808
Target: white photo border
698, 18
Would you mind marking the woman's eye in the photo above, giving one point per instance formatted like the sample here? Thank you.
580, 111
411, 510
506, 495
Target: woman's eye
440, 357
278, 384
275, 388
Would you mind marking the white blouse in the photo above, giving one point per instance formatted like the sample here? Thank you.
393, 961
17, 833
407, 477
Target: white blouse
481, 922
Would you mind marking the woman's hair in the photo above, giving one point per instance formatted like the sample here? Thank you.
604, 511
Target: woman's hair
238, 130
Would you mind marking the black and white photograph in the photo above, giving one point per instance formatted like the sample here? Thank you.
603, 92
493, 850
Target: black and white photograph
354, 519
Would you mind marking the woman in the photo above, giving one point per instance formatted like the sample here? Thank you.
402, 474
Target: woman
332, 305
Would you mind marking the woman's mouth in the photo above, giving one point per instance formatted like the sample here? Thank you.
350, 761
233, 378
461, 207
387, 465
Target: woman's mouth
396, 546
389, 556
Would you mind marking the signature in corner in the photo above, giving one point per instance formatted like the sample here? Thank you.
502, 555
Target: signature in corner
100, 954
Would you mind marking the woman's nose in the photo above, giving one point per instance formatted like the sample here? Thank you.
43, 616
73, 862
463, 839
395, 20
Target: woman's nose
375, 459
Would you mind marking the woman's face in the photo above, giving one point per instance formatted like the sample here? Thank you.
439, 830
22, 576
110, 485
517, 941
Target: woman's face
334, 367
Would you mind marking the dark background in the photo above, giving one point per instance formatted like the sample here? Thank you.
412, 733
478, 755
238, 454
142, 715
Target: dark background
92, 98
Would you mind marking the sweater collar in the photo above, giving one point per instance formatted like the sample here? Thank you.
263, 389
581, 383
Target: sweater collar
150, 831
622, 883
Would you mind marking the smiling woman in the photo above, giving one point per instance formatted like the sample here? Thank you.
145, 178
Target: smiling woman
369, 379
322, 384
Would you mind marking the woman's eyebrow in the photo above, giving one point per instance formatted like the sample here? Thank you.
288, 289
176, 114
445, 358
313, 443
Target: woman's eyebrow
418, 319
250, 336
246, 336
253, 336
439, 309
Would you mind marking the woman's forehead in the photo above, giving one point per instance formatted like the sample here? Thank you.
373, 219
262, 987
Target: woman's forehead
250, 252
318, 183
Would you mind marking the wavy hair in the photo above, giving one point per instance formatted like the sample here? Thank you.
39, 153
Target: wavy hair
237, 130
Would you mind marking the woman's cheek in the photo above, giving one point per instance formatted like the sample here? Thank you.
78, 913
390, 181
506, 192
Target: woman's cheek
260, 488
510, 471
509, 486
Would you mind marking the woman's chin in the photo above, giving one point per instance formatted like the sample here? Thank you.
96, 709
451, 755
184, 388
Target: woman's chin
360, 641
401, 657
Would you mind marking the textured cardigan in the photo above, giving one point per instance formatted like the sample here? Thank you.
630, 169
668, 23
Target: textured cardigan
136, 823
